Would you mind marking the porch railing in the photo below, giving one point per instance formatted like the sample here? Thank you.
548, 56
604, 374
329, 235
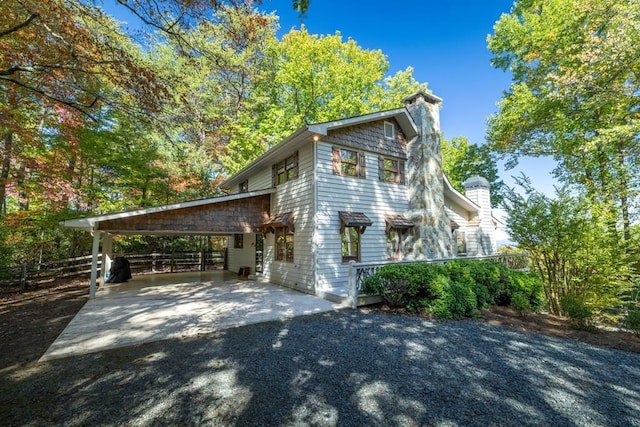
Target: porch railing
359, 271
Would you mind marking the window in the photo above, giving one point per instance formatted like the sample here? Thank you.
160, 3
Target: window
461, 242
352, 227
397, 227
389, 130
285, 171
351, 244
349, 163
394, 251
243, 187
284, 244
238, 241
391, 170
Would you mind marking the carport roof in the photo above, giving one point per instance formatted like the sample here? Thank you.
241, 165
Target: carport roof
91, 223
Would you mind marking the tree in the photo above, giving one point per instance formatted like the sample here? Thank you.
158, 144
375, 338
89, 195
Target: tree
313, 79
567, 244
575, 95
461, 160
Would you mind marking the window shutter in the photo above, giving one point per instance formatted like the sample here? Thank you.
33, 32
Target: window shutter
336, 161
295, 171
362, 165
401, 173
381, 168
274, 175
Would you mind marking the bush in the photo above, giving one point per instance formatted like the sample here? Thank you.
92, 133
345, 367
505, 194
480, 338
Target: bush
579, 313
520, 302
632, 321
528, 285
456, 289
402, 284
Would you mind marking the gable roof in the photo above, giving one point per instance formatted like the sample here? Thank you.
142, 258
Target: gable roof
308, 132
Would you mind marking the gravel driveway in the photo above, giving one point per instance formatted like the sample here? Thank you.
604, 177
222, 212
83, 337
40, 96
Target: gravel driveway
338, 368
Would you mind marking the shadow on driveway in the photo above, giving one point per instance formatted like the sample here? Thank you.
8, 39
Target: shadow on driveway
336, 368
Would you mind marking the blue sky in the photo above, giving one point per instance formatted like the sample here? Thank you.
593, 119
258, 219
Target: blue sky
445, 43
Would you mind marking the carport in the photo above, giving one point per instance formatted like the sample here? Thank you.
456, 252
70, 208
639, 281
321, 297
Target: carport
236, 213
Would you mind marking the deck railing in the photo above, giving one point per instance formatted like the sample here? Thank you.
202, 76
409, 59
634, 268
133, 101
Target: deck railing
359, 271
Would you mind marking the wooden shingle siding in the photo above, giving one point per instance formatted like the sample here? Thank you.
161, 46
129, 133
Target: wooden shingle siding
236, 216
369, 137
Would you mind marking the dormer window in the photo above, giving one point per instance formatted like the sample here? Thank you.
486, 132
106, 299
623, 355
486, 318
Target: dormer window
389, 130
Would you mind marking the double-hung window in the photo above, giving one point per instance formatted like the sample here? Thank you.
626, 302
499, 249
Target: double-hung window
391, 170
284, 244
285, 170
349, 163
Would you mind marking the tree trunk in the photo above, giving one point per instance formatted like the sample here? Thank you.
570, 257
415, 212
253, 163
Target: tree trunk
4, 170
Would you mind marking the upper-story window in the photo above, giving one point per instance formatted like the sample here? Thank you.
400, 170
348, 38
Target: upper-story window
285, 170
389, 130
349, 163
243, 187
391, 170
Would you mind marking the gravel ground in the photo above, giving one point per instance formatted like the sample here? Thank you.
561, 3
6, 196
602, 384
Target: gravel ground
341, 368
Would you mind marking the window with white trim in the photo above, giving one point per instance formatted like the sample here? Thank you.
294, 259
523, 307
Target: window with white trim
389, 130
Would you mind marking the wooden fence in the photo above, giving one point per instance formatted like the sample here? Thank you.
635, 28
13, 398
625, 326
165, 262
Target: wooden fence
47, 272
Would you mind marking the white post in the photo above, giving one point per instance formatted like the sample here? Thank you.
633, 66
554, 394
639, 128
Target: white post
105, 264
94, 263
353, 286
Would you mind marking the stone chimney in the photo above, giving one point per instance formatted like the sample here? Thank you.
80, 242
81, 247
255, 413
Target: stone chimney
482, 241
431, 237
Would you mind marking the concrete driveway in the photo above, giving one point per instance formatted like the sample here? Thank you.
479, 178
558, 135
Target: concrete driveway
164, 306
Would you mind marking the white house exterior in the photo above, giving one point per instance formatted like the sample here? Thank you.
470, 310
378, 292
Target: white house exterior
365, 189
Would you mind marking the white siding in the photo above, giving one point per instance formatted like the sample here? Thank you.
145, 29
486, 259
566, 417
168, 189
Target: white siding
337, 193
294, 196
242, 257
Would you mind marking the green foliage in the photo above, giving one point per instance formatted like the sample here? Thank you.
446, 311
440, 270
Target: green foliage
461, 160
520, 302
632, 321
575, 96
569, 246
580, 315
455, 289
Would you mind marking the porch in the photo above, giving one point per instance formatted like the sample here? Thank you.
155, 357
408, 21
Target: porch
155, 307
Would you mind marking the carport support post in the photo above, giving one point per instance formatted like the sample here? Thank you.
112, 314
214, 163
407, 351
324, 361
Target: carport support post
105, 263
94, 263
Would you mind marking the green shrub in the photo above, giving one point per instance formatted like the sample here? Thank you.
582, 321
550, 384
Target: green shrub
527, 284
490, 275
520, 302
461, 300
579, 313
455, 289
632, 321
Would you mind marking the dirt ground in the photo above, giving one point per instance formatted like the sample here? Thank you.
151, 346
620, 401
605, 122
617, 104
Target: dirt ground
31, 320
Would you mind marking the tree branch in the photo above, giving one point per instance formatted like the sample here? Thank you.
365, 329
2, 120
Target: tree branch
78, 107
17, 27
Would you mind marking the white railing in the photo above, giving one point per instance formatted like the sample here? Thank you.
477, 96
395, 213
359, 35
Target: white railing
359, 271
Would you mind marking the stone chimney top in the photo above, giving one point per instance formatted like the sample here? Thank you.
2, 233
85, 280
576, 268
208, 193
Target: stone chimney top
422, 96
476, 182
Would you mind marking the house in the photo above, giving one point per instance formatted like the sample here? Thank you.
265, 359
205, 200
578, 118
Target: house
364, 189
367, 188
